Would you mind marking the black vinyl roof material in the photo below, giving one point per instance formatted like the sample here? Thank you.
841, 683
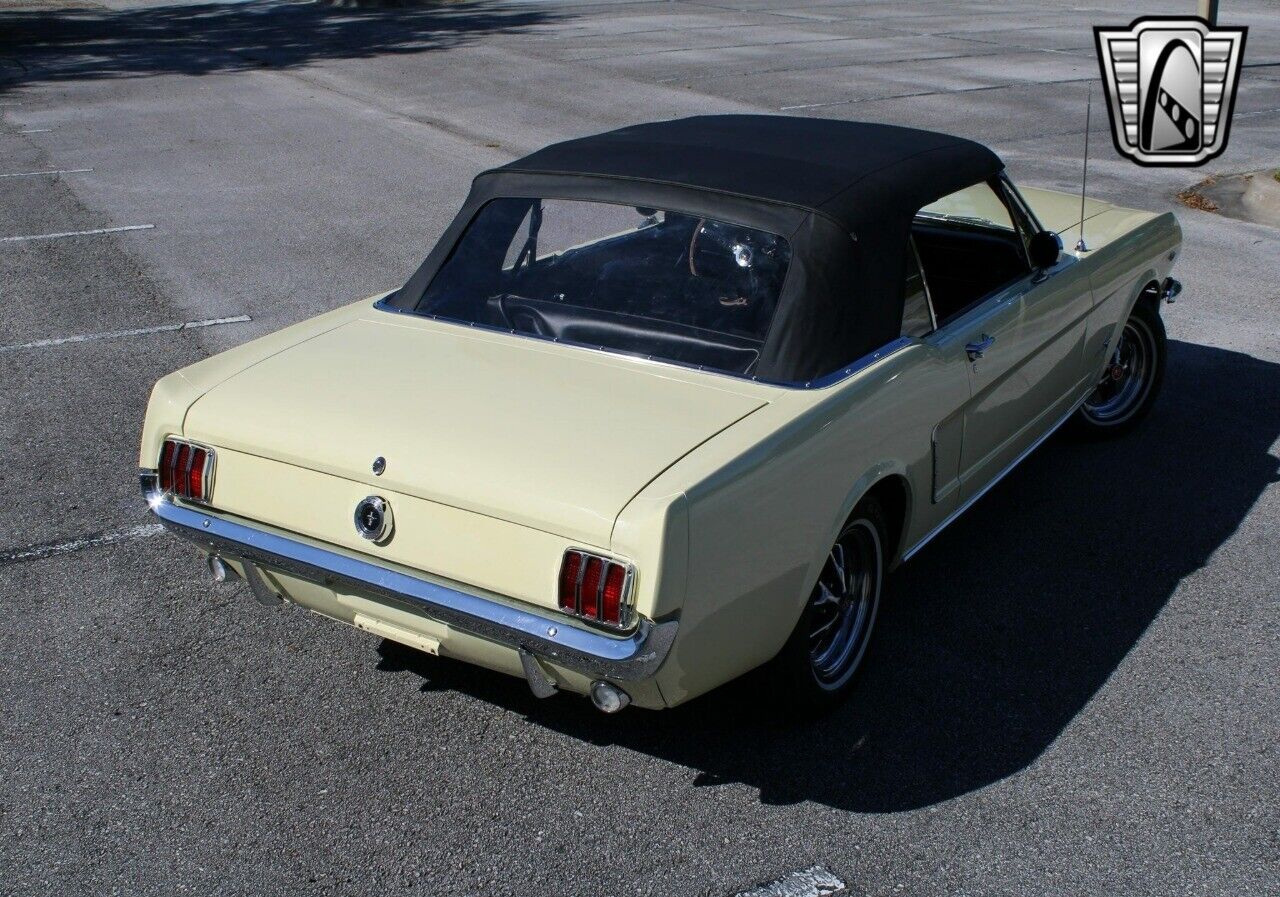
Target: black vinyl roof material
842, 193
854, 172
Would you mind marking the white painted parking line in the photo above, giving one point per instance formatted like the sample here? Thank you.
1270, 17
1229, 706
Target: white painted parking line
28, 174
36, 131
1256, 112
77, 233
115, 334
50, 549
812, 882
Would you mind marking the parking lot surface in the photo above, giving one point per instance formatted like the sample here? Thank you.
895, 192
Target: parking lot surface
1073, 690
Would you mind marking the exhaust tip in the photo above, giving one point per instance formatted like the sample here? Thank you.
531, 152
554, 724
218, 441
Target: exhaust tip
607, 697
221, 572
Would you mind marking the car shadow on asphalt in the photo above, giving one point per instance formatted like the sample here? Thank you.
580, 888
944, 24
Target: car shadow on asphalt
82, 44
997, 634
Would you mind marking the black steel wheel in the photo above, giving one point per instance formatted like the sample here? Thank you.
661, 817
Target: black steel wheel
825, 651
844, 603
1131, 378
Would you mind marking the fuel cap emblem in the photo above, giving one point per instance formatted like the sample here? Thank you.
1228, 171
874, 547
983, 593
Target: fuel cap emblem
373, 518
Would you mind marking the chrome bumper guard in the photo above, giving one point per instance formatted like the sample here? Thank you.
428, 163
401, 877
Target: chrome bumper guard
553, 638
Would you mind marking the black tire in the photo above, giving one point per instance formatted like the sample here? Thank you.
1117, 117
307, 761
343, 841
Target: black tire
1131, 380
818, 666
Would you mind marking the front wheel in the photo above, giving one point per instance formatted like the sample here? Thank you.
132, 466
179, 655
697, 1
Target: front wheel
817, 666
1131, 379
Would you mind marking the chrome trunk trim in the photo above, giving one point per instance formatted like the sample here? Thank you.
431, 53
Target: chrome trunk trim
551, 636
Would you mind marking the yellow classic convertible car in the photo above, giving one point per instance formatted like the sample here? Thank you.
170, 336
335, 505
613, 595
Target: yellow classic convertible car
666, 404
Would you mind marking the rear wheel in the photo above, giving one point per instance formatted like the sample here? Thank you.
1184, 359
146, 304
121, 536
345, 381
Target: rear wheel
1131, 379
817, 667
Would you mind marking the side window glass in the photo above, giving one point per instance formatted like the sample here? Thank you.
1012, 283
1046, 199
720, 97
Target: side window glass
969, 248
917, 316
978, 205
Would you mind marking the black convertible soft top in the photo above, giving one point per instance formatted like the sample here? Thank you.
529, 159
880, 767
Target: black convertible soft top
843, 193
854, 172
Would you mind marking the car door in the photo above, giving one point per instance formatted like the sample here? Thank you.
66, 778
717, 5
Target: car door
1025, 352
1023, 339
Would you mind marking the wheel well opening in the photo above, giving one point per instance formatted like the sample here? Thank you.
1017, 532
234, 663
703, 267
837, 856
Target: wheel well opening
891, 494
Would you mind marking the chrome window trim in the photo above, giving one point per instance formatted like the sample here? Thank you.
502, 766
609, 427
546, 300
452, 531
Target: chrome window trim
1020, 212
889, 348
924, 282
551, 636
1012, 189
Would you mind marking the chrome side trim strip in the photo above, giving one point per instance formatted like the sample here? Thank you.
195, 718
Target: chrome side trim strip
554, 638
997, 478
849, 370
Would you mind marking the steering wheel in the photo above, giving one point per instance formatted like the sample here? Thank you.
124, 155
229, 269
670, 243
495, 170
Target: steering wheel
693, 246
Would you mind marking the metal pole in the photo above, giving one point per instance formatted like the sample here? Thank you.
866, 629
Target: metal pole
1084, 178
1209, 11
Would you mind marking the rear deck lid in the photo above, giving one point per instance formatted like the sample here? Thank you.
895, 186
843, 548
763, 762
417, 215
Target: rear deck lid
548, 436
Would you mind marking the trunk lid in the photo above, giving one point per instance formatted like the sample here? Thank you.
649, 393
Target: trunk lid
543, 435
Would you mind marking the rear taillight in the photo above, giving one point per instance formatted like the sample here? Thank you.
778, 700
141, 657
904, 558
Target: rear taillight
595, 588
186, 470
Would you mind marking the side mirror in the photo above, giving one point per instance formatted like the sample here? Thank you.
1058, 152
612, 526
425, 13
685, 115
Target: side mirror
1044, 249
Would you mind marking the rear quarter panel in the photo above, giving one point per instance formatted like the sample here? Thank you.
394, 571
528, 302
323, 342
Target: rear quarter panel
746, 521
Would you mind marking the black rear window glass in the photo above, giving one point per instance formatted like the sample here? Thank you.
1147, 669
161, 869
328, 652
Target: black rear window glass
644, 281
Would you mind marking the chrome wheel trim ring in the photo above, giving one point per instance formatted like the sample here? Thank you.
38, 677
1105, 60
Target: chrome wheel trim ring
1114, 400
844, 605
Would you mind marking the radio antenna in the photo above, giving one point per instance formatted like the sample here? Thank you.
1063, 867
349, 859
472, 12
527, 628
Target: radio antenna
1084, 178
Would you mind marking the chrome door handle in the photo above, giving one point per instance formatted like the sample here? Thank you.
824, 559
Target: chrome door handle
979, 347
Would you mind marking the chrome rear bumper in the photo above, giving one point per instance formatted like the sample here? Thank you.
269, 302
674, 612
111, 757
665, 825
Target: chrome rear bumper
552, 637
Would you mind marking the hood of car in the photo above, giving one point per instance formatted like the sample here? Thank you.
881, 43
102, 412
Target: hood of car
1104, 222
548, 436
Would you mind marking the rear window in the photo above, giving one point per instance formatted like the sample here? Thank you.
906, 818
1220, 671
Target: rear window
638, 280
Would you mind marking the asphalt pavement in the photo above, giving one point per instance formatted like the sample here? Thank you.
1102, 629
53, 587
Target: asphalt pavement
1074, 688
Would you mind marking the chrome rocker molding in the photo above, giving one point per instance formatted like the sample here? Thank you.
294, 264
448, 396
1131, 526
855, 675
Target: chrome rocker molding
553, 638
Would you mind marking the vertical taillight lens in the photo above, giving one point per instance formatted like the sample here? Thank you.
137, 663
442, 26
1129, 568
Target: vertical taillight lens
186, 469
166, 465
595, 588
570, 573
589, 594
611, 596
195, 479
